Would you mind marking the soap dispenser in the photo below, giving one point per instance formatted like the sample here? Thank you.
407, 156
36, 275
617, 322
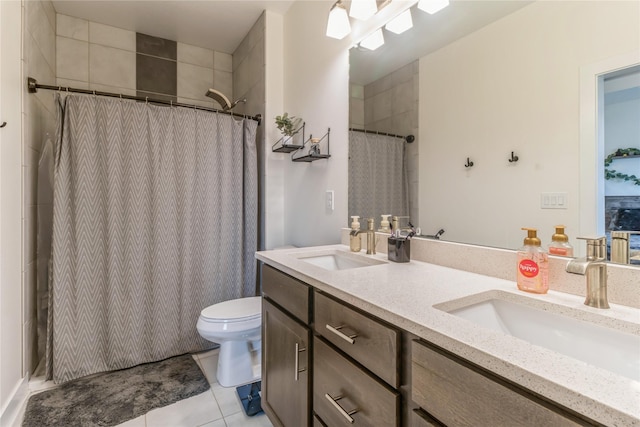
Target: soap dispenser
354, 237
560, 243
384, 224
533, 265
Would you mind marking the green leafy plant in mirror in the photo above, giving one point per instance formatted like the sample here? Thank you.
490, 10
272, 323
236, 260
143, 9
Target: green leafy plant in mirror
613, 174
288, 125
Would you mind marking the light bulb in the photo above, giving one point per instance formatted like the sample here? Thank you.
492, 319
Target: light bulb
400, 23
373, 41
363, 9
338, 23
432, 6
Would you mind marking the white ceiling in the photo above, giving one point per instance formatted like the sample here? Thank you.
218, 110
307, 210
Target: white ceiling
213, 24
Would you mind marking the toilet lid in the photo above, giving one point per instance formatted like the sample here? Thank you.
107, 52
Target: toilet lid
235, 309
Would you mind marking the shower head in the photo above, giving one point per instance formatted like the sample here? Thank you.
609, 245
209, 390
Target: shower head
223, 100
219, 98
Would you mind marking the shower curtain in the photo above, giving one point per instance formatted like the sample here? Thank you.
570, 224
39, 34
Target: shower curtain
155, 218
377, 176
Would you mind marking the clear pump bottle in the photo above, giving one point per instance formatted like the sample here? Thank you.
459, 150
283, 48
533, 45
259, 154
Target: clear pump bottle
560, 245
533, 265
355, 244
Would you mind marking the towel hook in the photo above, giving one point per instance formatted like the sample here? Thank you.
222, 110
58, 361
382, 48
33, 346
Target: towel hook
469, 163
513, 158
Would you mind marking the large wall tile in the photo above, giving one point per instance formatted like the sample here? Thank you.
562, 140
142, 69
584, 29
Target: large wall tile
222, 61
107, 35
195, 55
156, 46
111, 66
193, 81
73, 28
72, 59
223, 81
42, 31
156, 75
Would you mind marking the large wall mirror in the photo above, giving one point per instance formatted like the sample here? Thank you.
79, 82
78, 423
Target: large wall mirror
486, 82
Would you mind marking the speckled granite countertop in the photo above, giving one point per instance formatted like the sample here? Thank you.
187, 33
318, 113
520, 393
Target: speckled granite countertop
404, 295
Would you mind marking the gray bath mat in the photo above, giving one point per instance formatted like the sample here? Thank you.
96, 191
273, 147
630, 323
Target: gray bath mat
114, 397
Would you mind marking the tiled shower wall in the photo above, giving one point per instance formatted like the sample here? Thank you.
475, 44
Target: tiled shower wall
38, 118
390, 104
105, 58
249, 83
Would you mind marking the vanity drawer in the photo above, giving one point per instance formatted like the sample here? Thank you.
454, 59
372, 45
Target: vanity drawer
289, 293
372, 343
344, 393
459, 395
419, 418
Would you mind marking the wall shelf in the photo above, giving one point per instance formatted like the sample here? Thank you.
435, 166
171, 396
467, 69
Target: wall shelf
318, 149
288, 144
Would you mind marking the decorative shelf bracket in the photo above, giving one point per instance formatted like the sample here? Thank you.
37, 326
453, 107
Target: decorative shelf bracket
288, 144
315, 151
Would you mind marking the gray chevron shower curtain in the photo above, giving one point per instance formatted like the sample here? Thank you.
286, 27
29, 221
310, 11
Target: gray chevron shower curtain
155, 218
377, 176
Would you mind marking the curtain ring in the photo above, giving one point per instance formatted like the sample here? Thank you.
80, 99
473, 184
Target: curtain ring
94, 92
146, 100
120, 97
171, 102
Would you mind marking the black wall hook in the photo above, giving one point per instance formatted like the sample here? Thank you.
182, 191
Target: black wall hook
513, 158
469, 163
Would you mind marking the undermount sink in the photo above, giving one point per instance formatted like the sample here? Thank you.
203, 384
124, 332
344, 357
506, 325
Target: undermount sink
569, 331
338, 260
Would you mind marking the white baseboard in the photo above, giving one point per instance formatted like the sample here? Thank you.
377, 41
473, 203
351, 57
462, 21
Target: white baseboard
15, 407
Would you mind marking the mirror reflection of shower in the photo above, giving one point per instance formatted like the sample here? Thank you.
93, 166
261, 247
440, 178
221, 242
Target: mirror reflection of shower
221, 99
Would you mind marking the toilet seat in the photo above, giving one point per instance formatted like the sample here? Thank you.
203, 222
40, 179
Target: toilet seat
237, 310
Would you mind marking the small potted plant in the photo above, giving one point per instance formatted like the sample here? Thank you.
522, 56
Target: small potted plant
288, 125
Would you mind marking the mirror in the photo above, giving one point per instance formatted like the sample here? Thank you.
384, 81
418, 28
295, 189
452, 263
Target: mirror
494, 81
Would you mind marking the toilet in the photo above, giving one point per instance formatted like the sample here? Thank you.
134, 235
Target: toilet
236, 326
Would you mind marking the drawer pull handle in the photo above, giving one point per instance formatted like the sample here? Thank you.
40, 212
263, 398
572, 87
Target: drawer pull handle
345, 414
336, 330
297, 362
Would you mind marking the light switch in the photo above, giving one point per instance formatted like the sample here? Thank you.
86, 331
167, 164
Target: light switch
553, 200
329, 200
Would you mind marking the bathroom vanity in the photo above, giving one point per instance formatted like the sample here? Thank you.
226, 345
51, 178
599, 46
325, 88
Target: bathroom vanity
353, 339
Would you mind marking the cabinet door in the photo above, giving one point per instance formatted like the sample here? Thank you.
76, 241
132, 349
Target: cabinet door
285, 364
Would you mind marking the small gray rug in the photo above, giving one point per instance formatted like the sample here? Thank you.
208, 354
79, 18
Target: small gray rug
112, 398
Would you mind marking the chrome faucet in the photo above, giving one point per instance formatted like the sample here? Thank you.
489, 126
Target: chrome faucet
594, 267
371, 237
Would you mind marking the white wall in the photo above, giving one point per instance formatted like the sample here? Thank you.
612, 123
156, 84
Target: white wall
274, 164
10, 210
316, 88
513, 85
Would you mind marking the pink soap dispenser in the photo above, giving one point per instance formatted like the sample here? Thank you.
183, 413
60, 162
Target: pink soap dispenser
533, 265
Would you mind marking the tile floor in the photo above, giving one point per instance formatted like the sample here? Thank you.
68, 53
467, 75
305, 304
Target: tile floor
216, 407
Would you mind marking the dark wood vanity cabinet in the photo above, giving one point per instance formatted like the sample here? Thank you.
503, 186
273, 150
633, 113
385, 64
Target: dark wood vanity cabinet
286, 359
453, 392
327, 363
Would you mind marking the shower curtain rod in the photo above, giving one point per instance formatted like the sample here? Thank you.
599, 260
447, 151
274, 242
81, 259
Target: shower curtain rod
33, 86
409, 138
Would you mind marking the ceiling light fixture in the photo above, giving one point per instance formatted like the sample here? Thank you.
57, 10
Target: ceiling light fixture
338, 23
432, 6
400, 23
363, 9
373, 41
